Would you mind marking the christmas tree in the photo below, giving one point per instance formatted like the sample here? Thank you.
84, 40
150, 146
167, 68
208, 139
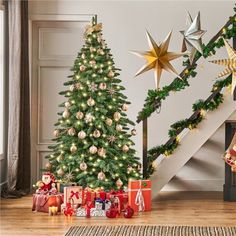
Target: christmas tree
93, 139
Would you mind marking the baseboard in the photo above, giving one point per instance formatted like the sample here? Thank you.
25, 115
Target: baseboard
194, 185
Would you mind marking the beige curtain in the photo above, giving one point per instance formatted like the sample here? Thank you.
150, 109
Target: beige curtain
1, 5
19, 111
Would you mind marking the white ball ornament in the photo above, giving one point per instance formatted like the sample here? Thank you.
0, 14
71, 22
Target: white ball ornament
101, 152
79, 115
82, 68
119, 128
117, 116
93, 149
90, 102
67, 104
56, 133
83, 56
82, 135
72, 87
78, 85
101, 176
125, 148
102, 86
96, 133
66, 114
83, 166
71, 131
125, 107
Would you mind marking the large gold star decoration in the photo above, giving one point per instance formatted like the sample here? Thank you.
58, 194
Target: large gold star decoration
158, 58
230, 63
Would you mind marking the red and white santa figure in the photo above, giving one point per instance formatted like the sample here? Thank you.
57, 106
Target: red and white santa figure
46, 183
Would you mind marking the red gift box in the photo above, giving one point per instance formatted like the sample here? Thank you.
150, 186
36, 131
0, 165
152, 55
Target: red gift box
42, 202
139, 192
121, 195
89, 195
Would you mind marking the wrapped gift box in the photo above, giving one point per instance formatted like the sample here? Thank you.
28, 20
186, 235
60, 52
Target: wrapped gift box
97, 212
89, 195
122, 197
81, 212
74, 195
61, 186
139, 195
42, 202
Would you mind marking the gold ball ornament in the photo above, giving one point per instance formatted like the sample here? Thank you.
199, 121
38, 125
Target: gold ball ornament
101, 176
125, 107
73, 148
109, 121
119, 183
134, 132
60, 158
101, 152
78, 85
79, 115
90, 102
56, 133
110, 74
117, 116
48, 166
118, 128
125, 148
92, 62
72, 87
233, 168
83, 166
96, 133
82, 68
67, 104
102, 86
60, 172
82, 135
66, 114
71, 131
93, 149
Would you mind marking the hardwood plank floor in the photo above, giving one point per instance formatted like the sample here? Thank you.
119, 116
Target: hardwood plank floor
171, 208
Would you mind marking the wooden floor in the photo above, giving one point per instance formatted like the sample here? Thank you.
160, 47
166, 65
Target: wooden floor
173, 208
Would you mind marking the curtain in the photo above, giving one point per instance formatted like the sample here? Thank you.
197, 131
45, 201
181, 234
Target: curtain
19, 180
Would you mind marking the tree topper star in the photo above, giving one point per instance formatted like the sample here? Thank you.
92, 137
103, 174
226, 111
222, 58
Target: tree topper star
230, 63
192, 41
158, 58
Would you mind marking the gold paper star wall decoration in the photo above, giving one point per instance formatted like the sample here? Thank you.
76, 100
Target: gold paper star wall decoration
230, 63
158, 58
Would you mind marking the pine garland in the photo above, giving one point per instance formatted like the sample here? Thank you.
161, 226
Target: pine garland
154, 98
199, 108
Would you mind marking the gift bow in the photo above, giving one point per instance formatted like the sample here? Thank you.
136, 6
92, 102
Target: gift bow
139, 200
76, 194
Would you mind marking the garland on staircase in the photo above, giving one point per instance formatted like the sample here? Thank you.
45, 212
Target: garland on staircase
199, 108
153, 101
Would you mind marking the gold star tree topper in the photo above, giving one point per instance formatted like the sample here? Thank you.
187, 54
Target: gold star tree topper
230, 63
158, 58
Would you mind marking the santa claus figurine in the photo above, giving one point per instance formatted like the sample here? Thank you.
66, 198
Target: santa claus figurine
46, 183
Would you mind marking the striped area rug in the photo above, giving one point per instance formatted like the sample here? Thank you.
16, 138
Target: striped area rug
129, 230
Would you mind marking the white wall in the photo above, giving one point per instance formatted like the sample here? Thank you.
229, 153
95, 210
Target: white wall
124, 25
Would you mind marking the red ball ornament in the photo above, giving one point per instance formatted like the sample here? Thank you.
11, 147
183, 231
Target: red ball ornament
129, 212
69, 211
112, 212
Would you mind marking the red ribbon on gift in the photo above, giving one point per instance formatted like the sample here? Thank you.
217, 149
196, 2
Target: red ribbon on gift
76, 194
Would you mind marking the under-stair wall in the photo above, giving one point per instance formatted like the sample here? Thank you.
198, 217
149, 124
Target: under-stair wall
191, 142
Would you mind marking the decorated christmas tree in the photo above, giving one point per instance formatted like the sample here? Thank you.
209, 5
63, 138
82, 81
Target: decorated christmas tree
93, 138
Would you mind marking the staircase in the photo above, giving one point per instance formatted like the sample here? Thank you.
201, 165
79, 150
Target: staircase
191, 142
